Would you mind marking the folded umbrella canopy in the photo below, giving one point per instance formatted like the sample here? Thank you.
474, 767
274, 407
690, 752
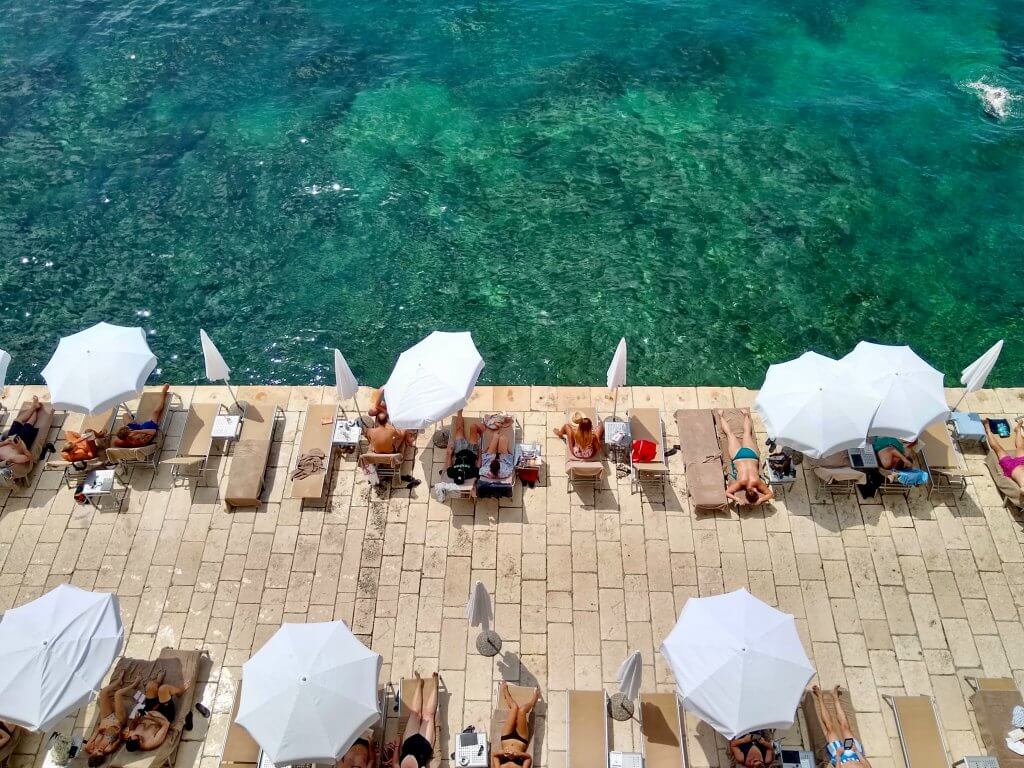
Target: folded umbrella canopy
5, 361
54, 653
432, 380
309, 693
738, 663
99, 368
814, 405
910, 392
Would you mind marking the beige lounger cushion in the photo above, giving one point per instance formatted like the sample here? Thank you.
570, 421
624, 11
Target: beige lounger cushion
661, 731
829, 475
240, 748
922, 740
408, 691
1008, 489
815, 728
197, 435
586, 741
993, 704
578, 468
315, 435
250, 456
521, 695
702, 459
645, 424
178, 666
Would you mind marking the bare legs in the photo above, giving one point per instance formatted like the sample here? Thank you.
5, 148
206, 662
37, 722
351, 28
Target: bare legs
734, 442
497, 444
158, 414
824, 716
422, 712
459, 433
993, 441
518, 720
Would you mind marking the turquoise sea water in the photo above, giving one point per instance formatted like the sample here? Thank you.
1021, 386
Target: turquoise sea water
724, 183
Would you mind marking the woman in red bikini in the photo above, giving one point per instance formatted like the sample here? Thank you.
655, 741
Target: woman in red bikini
1012, 463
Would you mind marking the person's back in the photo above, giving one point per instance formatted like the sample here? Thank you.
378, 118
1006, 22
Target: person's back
383, 436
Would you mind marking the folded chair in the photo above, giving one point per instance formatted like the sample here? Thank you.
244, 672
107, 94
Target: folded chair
317, 435
521, 695
816, 729
581, 472
994, 700
924, 745
646, 424
702, 459
240, 748
661, 731
196, 442
251, 455
586, 723
146, 455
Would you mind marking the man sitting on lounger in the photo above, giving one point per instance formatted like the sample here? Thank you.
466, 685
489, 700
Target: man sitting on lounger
515, 733
1010, 462
844, 749
745, 465
115, 702
752, 751
384, 437
138, 435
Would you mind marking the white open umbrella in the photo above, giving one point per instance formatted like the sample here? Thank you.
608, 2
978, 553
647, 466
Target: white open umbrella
617, 373
910, 392
812, 404
432, 379
739, 664
972, 377
309, 693
99, 368
54, 653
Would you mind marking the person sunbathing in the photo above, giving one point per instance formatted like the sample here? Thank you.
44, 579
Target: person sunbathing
745, 465
752, 751
359, 755
892, 453
140, 434
843, 747
1012, 464
16, 460
25, 425
115, 702
497, 461
462, 457
147, 731
418, 740
384, 437
81, 446
515, 733
6, 733
582, 439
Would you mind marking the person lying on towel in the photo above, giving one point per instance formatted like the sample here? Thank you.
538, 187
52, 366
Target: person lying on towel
1010, 462
463, 454
140, 434
359, 755
515, 733
115, 702
81, 446
752, 751
744, 465
497, 461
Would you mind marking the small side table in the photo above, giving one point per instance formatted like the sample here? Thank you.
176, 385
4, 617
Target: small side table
346, 434
528, 460
967, 427
777, 481
226, 427
101, 484
616, 438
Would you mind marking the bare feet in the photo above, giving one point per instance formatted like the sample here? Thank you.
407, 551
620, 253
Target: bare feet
536, 696
36, 405
165, 388
816, 691
837, 692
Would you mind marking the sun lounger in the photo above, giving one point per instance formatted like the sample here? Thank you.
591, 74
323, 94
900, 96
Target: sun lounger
317, 435
521, 695
250, 456
661, 731
646, 424
586, 723
193, 452
146, 455
580, 472
942, 459
408, 690
702, 459
815, 728
489, 488
1011, 493
924, 745
993, 700
100, 424
178, 667
43, 423
240, 748
17, 734
735, 418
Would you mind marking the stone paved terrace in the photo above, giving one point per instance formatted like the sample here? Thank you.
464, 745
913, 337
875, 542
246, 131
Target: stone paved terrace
889, 597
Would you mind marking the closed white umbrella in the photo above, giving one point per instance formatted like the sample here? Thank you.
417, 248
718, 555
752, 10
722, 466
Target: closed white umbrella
5, 361
309, 693
972, 377
910, 392
54, 653
432, 379
812, 404
617, 373
216, 367
630, 675
344, 381
739, 664
99, 368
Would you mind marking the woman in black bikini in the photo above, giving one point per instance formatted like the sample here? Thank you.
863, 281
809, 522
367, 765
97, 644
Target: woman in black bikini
515, 734
418, 740
752, 751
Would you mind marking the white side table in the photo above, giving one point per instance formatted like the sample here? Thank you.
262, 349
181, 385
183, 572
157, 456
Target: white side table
101, 484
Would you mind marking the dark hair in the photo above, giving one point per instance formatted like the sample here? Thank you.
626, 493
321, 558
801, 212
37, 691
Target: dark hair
123, 432
752, 495
495, 466
382, 418
96, 760
133, 744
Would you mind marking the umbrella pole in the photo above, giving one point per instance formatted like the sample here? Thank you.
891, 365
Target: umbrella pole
233, 398
960, 400
615, 402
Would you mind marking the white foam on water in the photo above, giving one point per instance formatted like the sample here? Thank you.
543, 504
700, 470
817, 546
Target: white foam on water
997, 100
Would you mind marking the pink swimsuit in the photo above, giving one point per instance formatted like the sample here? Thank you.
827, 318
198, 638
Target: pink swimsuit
1009, 463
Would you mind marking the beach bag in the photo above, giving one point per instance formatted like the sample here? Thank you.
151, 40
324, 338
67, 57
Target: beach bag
643, 451
781, 464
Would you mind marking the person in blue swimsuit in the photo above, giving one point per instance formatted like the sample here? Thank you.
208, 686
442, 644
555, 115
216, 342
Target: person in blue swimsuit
844, 749
744, 465
139, 434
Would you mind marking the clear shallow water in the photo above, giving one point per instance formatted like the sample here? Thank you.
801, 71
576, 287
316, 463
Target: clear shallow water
726, 184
